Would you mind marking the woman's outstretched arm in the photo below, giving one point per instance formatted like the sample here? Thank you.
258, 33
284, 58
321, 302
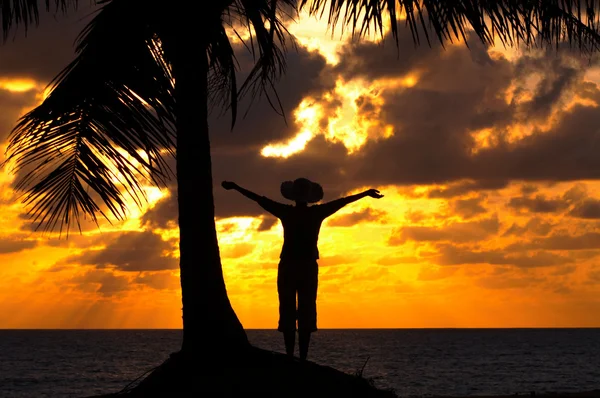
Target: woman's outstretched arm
228, 185
269, 205
331, 207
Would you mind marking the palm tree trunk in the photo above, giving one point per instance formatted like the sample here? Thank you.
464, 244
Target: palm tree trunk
209, 322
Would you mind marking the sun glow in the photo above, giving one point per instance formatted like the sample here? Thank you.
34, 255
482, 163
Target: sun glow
18, 85
307, 116
351, 114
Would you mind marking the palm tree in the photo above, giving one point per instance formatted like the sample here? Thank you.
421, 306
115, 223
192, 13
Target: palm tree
145, 74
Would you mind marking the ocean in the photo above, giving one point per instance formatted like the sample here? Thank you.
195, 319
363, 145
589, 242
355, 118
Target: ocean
414, 362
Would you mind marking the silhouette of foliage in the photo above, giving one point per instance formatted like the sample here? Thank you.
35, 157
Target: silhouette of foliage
513, 22
110, 114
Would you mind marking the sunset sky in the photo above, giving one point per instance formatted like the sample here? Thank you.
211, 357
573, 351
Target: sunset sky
489, 160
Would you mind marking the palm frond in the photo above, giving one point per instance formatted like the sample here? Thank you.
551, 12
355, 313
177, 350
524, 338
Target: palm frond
268, 38
103, 126
513, 22
27, 12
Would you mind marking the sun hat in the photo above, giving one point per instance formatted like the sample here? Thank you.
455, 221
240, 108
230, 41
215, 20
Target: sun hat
302, 190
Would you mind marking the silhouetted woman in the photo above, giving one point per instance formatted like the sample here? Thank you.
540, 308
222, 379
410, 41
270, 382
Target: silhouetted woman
298, 269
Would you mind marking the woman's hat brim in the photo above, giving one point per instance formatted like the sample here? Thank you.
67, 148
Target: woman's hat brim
311, 195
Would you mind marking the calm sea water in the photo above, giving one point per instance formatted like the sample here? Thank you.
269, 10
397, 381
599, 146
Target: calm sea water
415, 362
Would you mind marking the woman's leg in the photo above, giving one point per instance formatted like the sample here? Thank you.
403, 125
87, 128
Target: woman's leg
289, 338
304, 342
286, 290
307, 307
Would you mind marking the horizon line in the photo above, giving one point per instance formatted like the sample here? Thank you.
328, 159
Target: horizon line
321, 329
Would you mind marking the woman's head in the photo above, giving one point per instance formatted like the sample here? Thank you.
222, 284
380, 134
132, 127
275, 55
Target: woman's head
302, 190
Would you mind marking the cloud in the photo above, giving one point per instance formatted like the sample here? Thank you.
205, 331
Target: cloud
237, 250
435, 120
13, 105
267, 222
459, 91
14, 244
366, 215
158, 280
451, 255
130, 251
557, 75
469, 208
537, 204
46, 49
588, 209
535, 225
471, 231
561, 241
102, 282
164, 213
461, 188
510, 281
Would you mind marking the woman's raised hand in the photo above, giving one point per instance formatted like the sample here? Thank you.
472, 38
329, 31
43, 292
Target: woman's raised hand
228, 185
374, 193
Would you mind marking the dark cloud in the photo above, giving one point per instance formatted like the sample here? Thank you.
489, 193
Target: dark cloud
163, 214
13, 244
576, 198
371, 61
538, 204
30, 224
557, 75
535, 225
158, 280
258, 123
13, 104
469, 208
366, 215
459, 91
465, 187
130, 251
456, 96
594, 276
46, 49
101, 281
452, 255
415, 216
267, 223
528, 189
561, 241
510, 282
471, 231
588, 209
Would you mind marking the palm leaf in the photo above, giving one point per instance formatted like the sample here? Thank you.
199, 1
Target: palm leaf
267, 43
513, 22
26, 12
115, 97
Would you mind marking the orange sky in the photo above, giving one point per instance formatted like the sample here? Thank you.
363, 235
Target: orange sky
495, 243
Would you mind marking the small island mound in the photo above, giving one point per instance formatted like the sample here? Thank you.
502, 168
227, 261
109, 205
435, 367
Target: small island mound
256, 373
